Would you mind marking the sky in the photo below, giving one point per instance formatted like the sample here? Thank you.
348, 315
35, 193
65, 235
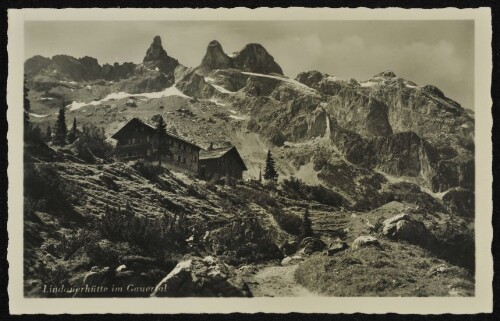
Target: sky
439, 53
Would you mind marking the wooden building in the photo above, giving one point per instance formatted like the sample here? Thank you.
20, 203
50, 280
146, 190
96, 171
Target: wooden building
222, 162
135, 140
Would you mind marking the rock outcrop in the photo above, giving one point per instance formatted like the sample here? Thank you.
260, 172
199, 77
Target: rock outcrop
215, 58
365, 241
252, 58
310, 245
255, 58
336, 247
157, 57
291, 260
202, 277
404, 227
460, 201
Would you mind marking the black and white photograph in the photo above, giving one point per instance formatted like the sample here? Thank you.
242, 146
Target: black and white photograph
249, 158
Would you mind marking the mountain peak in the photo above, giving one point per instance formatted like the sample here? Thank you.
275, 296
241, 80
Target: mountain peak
255, 58
157, 57
215, 58
386, 74
155, 51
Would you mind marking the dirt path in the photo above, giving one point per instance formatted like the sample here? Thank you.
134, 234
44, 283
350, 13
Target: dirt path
277, 281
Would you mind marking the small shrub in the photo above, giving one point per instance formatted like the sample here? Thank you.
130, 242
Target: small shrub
45, 190
289, 222
56, 276
148, 170
71, 243
92, 142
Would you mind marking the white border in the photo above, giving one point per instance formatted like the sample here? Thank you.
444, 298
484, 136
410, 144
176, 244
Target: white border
482, 302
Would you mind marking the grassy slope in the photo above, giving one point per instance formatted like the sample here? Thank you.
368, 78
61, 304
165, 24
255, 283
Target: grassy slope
398, 269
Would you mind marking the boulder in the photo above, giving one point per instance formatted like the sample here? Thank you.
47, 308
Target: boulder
202, 277
121, 268
310, 245
289, 247
365, 241
336, 247
291, 260
403, 227
460, 201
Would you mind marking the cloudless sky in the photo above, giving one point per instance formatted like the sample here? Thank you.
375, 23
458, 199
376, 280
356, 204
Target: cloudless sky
440, 53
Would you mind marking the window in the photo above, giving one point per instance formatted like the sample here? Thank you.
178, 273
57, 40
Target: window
178, 159
184, 160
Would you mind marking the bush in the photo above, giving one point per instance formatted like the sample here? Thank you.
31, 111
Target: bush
150, 234
92, 142
45, 190
148, 170
56, 276
316, 193
70, 244
244, 240
289, 222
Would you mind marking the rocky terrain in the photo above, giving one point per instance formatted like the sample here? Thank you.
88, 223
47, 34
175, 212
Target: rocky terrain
357, 153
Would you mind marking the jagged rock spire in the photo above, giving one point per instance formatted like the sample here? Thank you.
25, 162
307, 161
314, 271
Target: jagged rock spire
155, 51
253, 57
215, 58
157, 57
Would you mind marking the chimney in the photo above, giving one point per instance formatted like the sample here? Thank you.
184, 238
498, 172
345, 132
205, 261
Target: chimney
211, 147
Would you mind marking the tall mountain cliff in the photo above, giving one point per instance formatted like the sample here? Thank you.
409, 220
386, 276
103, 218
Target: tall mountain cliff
350, 130
252, 58
157, 57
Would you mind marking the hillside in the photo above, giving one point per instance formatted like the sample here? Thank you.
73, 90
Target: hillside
355, 153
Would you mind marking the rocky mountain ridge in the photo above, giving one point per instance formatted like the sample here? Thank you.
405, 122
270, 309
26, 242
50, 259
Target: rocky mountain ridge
387, 123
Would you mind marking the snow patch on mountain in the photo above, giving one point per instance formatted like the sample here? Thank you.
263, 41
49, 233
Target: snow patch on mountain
222, 89
170, 91
38, 115
288, 80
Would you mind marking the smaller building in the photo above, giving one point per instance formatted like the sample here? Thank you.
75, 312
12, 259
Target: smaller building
222, 162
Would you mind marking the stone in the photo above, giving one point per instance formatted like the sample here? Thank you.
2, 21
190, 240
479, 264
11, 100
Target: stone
336, 247
404, 227
460, 201
121, 268
365, 241
286, 261
202, 277
291, 260
310, 245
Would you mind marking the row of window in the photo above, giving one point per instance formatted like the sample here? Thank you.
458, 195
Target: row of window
171, 142
133, 153
138, 140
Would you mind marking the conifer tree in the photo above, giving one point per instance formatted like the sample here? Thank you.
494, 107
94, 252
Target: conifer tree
61, 129
270, 172
27, 107
306, 230
48, 134
161, 139
73, 132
